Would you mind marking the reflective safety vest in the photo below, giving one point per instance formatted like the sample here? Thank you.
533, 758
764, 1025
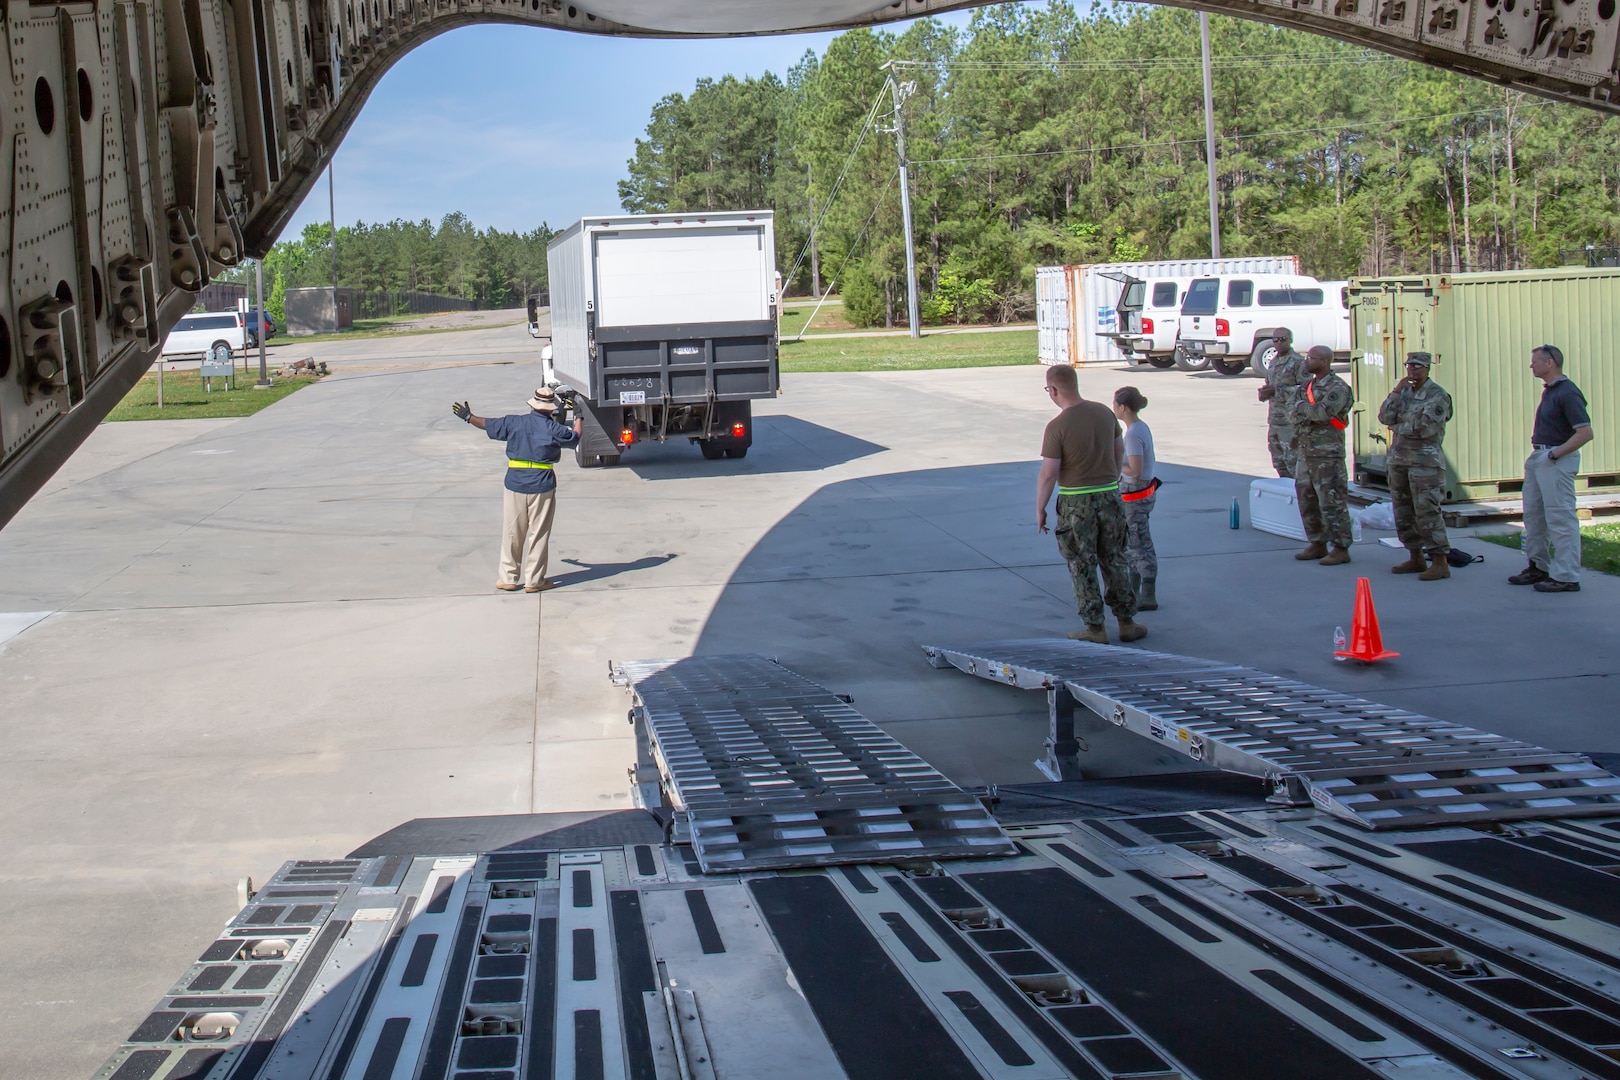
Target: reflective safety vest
1310, 396
513, 463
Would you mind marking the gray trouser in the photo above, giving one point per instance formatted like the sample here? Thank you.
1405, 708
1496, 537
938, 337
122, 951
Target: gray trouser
1549, 515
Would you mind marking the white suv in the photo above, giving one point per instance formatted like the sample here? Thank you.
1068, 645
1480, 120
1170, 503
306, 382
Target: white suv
215, 334
1148, 315
1226, 322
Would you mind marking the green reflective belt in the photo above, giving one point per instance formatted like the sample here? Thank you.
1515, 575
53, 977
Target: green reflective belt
1089, 490
513, 463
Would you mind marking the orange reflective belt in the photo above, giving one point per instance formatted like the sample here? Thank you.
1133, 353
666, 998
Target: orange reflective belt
1310, 396
1137, 496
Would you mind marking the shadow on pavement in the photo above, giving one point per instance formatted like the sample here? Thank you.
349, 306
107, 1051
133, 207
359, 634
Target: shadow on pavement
782, 444
598, 571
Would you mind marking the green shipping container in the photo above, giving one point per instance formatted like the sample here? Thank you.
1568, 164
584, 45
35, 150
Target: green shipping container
1480, 329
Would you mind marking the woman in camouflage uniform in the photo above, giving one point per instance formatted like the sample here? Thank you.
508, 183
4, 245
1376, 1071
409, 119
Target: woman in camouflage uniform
1416, 412
1137, 487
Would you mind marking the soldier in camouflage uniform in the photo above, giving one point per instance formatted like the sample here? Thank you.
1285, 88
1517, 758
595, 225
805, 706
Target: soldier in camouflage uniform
1284, 382
1416, 412
1321, 416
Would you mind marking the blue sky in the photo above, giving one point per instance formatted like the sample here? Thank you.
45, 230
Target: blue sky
515, 125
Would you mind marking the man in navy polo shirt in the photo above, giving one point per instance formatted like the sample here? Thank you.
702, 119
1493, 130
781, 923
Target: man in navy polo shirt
1562, 427
534, 443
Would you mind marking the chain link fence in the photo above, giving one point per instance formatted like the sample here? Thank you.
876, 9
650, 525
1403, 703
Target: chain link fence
380, 304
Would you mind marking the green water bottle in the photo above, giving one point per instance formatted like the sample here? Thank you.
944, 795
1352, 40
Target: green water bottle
1233, 520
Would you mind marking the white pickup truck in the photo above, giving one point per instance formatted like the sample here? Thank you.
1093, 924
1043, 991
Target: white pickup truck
1226, 322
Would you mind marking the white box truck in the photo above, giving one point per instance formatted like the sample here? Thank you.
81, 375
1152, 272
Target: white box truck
665, 326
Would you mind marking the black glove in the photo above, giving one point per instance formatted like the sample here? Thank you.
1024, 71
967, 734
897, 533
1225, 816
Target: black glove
463, 411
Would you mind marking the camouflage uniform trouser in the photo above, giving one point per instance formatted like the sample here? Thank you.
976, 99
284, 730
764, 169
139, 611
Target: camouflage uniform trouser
1139, 547
1280, 441
1091, 532
1417, 492
1323, 489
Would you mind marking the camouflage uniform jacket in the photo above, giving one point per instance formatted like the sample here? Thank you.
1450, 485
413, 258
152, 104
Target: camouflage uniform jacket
1417, 420
1287, 377
1320, 425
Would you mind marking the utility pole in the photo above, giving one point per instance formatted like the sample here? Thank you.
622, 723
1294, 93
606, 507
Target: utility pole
901, 91
1209, 140
815, 259
331, 209
258, 287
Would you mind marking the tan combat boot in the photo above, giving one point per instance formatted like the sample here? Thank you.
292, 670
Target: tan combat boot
1337, 557
1131, 630
1414, 565
1315, 551
1438, 567
1099, 634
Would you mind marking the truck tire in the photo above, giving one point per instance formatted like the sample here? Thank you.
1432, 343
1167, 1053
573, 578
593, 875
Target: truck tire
219, 351
736, 451
1163, 363
1260, 360
1186, 361
607, 461
711, 452
1230, 367
584, 460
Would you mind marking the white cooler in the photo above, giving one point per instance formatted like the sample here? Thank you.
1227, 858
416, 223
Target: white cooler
1274, 508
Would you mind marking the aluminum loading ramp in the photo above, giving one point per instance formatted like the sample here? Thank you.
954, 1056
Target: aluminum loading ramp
1375, 765
1219, 945
757, 767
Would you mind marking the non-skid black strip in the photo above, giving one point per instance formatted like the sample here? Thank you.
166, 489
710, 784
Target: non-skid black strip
195, 1064
1497, 958
212, 978
1567, 849
1109, 831
257, 977
1173, 828
1177, 920
1228, 822
1005, 1046
1591, 834
646, 865
441, 1037
385, 1055
221, 1001
1232, 1034
1458, 993
258, 1052
1578, 888
441, 896
1533, 910
1094, 869
1355, 841
543, 1001
636, 977
225, 949
287, 894
588, 1054
1032, 1017
1458, 1055
421, 956
873, 1018
909, 937
141, 1065
264, 916
584, 954
581, 890
1331, 1013
386, 871
857, 878
697, 902
368, 993
157, 1027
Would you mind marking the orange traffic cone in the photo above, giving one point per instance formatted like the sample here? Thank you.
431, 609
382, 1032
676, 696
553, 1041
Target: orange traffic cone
1366, 643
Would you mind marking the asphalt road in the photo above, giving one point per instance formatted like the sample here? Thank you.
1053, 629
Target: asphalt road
228, 644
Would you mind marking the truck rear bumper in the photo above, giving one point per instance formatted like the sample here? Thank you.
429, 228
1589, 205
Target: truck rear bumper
1206, 348
685, 364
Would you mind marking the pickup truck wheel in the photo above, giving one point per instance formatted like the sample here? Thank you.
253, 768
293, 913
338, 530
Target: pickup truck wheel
1163, 363
219, 352
711, 452
1230, 367
1186, 361
736, 451
1260, 360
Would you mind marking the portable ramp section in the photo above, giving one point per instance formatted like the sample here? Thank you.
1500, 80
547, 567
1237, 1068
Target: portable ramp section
1376, 765
758, 767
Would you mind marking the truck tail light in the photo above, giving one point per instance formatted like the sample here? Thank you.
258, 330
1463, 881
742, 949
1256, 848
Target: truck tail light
1147, 326
738, 431
1223, 328
626, 437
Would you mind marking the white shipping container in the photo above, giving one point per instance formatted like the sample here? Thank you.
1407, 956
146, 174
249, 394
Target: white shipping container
1084, 299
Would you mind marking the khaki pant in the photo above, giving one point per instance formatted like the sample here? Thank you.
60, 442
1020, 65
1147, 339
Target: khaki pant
525, 535
1549, 515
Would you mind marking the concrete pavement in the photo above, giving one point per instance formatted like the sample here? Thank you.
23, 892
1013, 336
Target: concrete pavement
277, 637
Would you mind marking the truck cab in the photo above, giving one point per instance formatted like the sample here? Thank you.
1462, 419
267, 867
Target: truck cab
1226, 321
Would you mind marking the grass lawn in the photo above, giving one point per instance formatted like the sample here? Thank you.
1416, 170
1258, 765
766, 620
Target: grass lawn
1600, 545
904, 354
185, 399
829, 319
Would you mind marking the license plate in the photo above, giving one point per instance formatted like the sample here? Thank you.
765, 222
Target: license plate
632, 397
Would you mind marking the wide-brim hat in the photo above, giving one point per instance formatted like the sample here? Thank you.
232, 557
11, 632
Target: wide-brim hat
544, 400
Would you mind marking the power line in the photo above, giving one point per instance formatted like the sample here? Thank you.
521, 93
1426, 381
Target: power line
871, 118
882, 195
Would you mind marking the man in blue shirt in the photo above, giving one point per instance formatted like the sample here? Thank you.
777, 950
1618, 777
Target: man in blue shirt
534, 443
1562, 427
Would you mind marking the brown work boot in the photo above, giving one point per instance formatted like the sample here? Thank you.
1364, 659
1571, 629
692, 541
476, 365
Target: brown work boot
1097, 633
1315, 551
1338, 556
1131, 630
1438, 567
1414, 565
